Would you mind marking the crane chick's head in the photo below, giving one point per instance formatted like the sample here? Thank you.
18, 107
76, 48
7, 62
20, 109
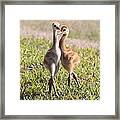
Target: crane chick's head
56, 26
65, 30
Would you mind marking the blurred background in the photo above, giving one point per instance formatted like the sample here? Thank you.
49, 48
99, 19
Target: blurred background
83, 33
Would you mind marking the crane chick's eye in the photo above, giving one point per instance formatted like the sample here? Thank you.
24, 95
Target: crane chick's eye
55, 26
64, 29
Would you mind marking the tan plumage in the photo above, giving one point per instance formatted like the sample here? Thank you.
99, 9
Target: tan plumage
52, 57
69, 58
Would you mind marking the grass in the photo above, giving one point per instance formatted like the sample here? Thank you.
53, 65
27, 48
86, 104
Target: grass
34, 77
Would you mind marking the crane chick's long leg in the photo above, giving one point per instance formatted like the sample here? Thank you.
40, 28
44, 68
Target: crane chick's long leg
76, 79
52, 71
52, 80
69, 79
57, 68
50, 85
56, 71
54, 86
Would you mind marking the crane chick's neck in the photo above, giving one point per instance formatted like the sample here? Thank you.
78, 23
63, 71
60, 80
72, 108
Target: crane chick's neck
55, 39
56, 44
62, 43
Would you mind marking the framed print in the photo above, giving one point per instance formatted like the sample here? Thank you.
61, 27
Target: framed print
60, 59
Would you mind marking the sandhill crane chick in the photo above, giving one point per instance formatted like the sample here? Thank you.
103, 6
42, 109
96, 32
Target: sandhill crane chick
52, 57
69, 58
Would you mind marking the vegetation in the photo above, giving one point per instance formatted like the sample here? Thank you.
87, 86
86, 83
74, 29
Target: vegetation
34, 76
